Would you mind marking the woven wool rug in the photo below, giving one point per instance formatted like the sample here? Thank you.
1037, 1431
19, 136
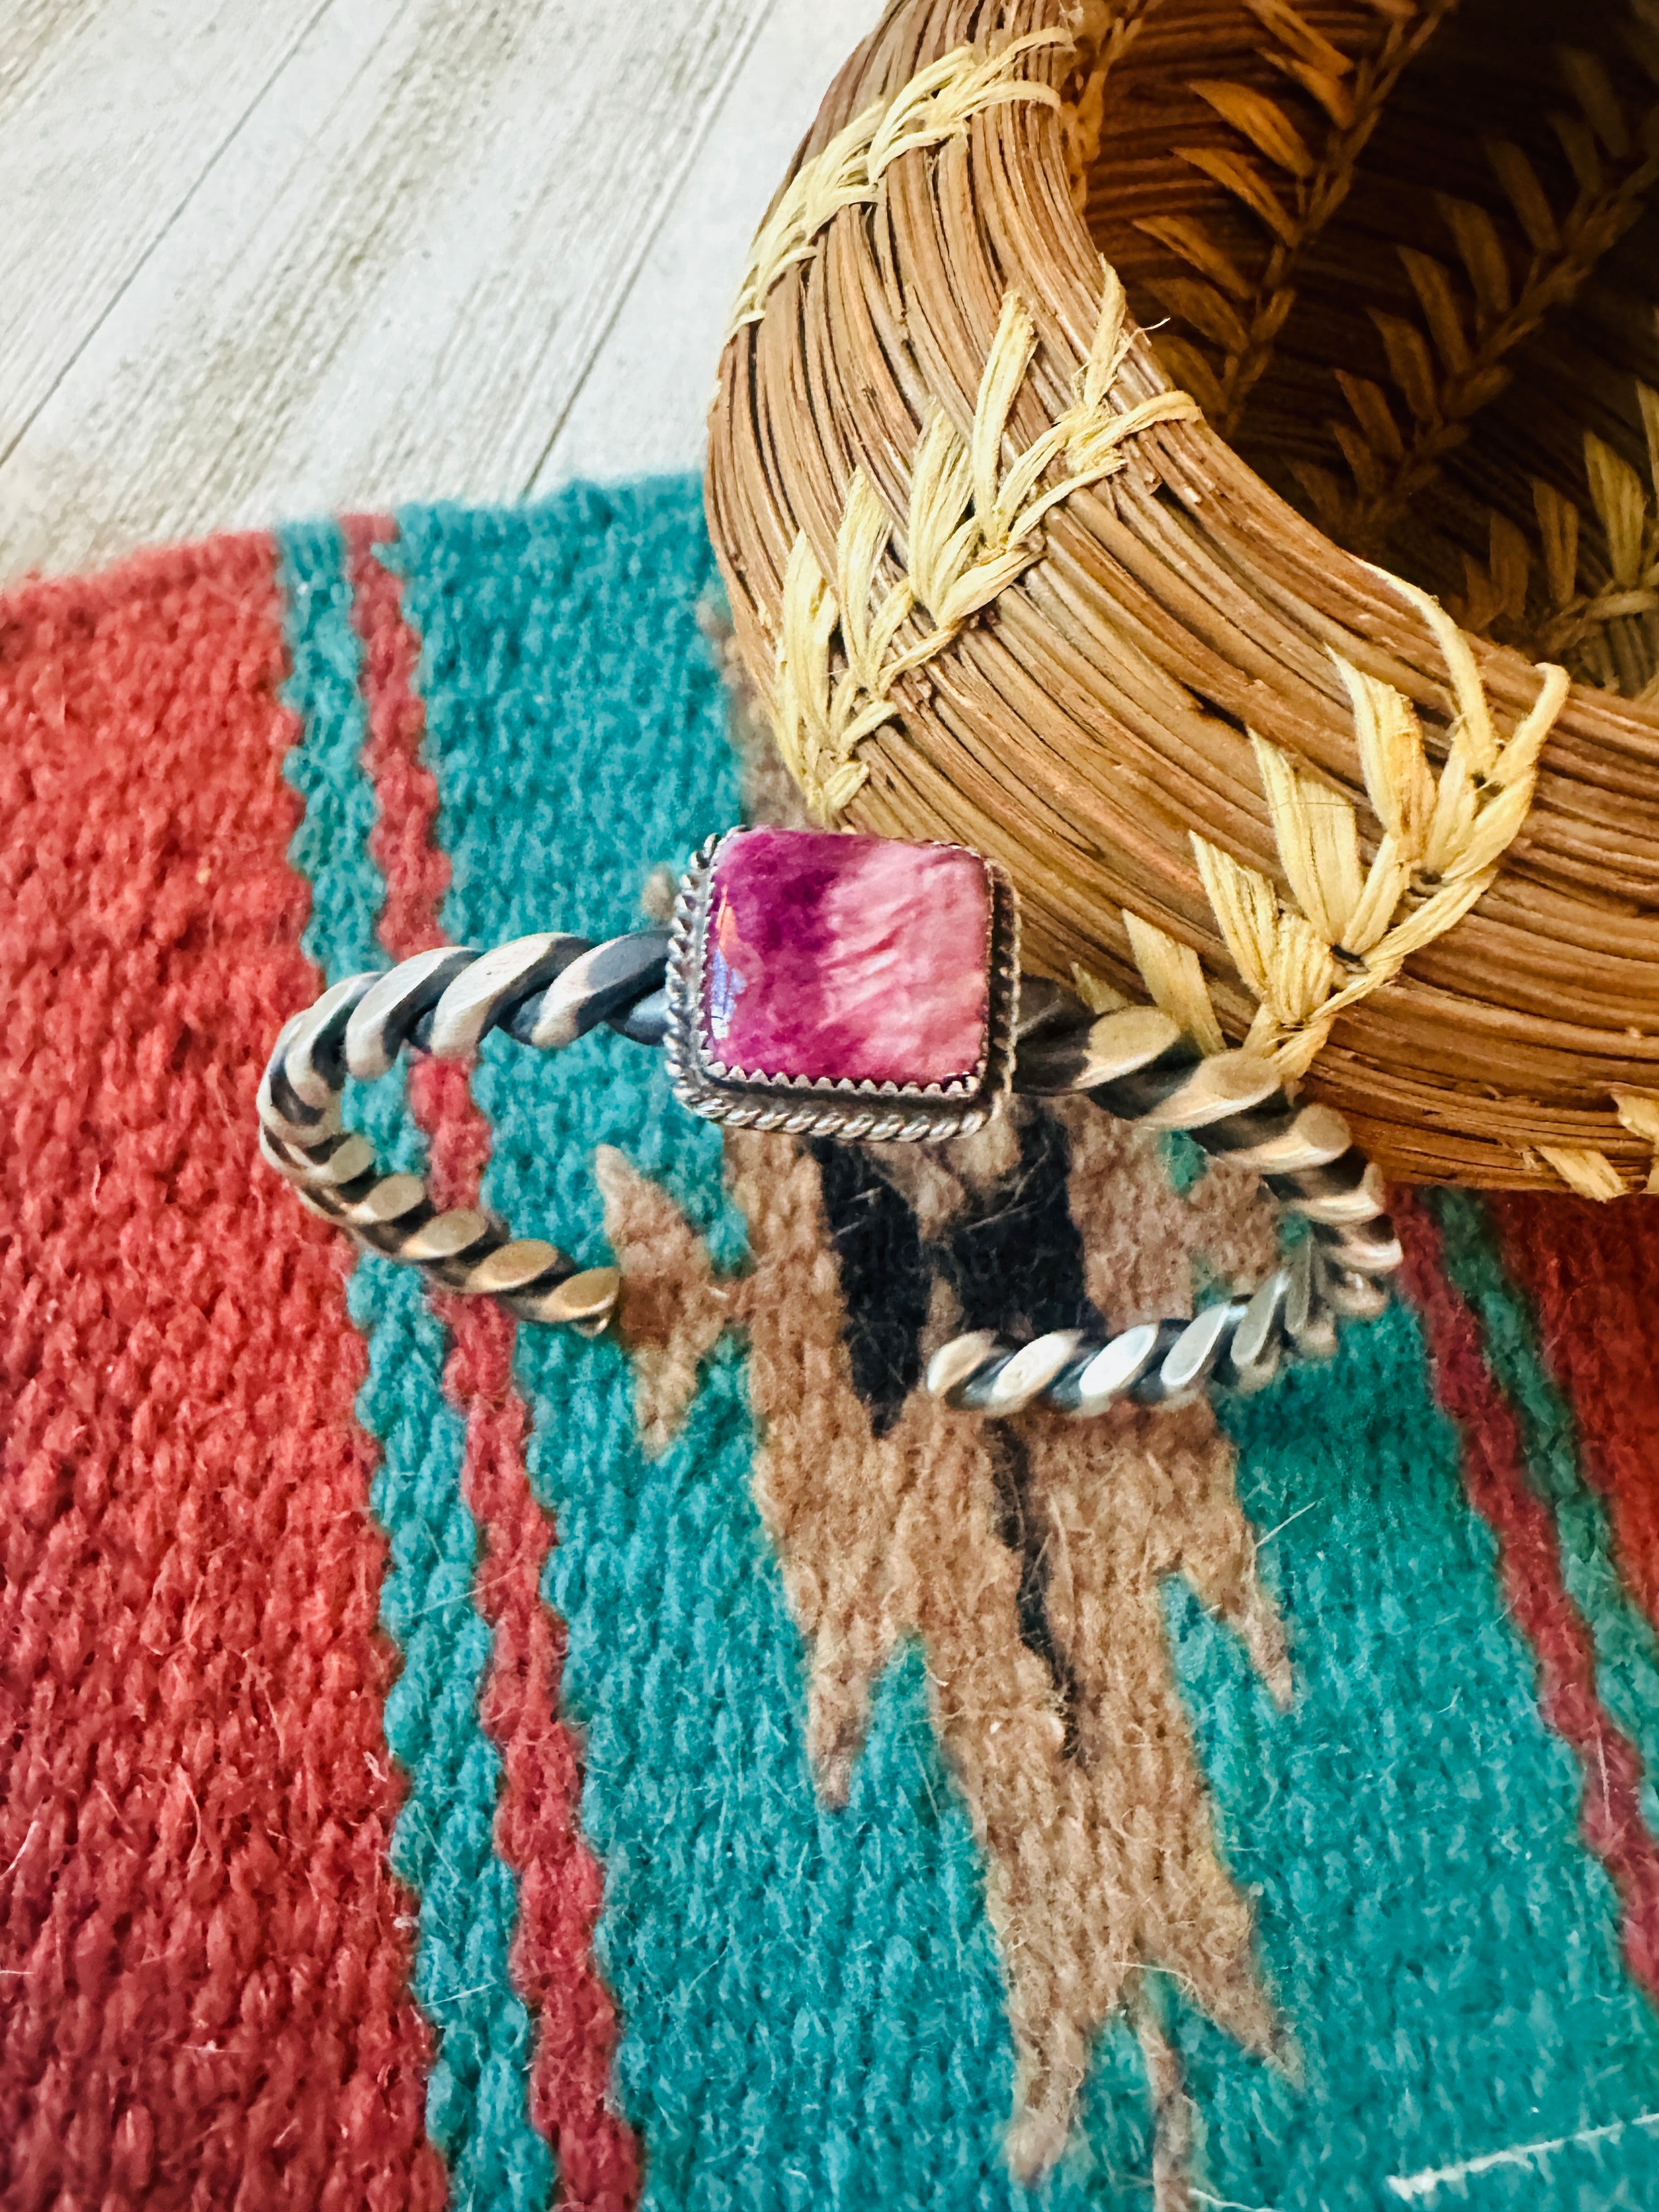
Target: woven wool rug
445, 1764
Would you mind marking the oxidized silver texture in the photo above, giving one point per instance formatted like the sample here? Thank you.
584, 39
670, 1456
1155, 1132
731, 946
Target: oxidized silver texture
856, 1113
549, 990
545, 990
1138, 1067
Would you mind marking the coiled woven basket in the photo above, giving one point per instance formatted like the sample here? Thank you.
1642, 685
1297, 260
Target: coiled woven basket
1206, 454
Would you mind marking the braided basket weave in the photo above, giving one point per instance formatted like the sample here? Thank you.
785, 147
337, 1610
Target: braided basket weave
1203, 453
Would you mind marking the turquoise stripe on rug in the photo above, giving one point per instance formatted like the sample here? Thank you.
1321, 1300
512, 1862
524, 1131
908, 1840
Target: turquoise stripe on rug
774, 1963
811, 2011
442, 1846
1440, 1937
329, 848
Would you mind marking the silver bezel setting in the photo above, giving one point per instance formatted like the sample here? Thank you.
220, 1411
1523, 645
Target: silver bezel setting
863, 1112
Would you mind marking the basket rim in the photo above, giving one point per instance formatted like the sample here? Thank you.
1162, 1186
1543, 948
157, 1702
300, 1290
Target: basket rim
1016, 149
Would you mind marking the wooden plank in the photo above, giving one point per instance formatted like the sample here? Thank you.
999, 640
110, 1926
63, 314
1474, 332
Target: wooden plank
641, 404
388, 283
109, 115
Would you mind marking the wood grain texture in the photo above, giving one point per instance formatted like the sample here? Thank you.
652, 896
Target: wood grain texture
371, 252
642, 402
109, 113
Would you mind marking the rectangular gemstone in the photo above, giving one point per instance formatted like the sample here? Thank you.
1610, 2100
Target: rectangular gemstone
832, 957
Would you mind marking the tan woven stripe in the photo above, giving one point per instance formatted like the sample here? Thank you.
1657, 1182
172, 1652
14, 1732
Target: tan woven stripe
1101, 1858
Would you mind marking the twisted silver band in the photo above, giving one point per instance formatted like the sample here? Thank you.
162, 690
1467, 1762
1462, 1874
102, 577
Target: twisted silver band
548, 990
1138, 1067
1239, 1345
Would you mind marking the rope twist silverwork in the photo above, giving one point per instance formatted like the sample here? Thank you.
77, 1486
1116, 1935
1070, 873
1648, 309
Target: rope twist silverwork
547, 991
1138, 1067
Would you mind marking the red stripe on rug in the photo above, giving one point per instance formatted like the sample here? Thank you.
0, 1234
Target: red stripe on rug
537, 1831
1529, 1567
205, 1956
1592, 1274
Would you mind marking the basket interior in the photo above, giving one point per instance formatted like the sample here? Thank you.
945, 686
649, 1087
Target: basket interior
1407, 256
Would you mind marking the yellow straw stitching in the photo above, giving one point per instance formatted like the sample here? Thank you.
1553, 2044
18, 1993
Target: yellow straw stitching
972, 526
937, 104
1346, 931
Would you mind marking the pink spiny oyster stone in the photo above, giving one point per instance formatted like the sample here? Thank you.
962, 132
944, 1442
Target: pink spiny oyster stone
835, 957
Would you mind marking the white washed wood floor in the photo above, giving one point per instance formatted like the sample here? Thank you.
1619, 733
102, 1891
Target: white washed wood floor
263, 258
